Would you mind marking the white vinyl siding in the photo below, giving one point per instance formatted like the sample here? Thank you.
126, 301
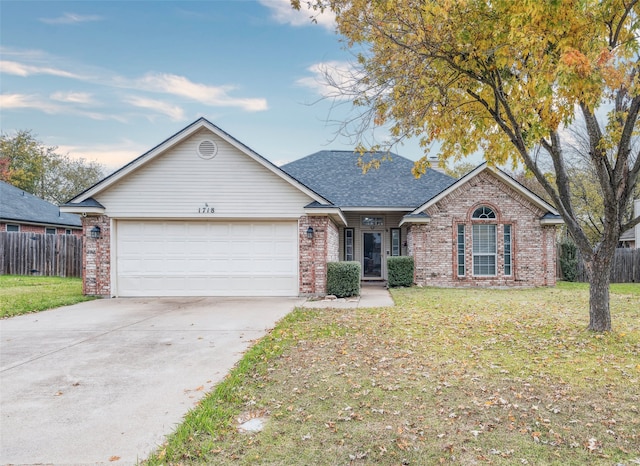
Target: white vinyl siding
191, 258
180, 184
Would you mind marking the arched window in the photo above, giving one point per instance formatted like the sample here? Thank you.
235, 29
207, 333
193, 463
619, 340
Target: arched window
483, 212
484, 242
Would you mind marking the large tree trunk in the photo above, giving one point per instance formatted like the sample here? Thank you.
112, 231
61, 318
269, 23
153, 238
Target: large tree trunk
599, 273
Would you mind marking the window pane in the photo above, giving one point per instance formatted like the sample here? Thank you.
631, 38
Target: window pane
483, 212
484, 239
372, 221
50, 231
507, 249
348, 244
395, 241
461, 270
484, 249
13, 228
484, 265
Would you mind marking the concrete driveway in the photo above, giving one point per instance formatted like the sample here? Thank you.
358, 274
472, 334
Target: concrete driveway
105, 381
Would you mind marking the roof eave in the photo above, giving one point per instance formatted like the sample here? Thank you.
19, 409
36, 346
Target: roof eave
535, 199
335, 213
551, 221
82, 210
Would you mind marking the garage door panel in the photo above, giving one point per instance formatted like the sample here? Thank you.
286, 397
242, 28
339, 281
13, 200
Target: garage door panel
157, 258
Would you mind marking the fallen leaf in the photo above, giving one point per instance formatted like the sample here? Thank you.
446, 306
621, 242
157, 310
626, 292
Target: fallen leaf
114, 458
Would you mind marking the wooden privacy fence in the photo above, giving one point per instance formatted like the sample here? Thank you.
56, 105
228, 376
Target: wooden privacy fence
40, 254
625, 268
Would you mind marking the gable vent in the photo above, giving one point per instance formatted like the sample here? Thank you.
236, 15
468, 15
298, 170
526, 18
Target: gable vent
207, 149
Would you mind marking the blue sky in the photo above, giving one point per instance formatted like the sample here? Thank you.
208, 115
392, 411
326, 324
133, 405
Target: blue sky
108, 80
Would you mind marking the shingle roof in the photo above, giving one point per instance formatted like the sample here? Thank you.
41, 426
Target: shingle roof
336, 176
20, 206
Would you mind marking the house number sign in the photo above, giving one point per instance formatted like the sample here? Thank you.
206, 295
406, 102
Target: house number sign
206, 209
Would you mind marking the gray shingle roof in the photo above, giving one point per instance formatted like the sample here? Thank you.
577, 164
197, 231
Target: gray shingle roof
20, 206
336, 176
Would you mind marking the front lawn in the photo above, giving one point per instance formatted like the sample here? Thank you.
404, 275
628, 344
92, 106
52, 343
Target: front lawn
476, 376
23, 294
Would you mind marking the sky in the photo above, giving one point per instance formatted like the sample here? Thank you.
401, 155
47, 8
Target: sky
109, 80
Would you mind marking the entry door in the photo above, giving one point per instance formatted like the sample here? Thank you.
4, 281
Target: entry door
372, 254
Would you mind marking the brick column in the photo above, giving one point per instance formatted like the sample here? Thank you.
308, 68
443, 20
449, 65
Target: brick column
96, 257
315, 253
417, 248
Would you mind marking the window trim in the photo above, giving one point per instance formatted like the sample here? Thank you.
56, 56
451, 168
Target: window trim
349, 238
507, 253
12, 225
484, 212
461, 250
48, 231
493, 254
396, 249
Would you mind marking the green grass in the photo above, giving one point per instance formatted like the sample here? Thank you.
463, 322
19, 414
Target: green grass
477, 376
24, 294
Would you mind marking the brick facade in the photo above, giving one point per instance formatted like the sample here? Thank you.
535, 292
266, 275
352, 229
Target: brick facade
315, 253
40, 229
96, 273
434, 245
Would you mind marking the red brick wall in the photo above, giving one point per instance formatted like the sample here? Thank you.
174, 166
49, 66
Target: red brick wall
96, 273
433, 245
315, 253
38, 229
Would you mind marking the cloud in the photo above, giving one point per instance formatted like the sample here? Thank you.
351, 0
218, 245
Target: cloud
73, 97
172, 111
24, 70
36, 102
283, 13
71, 18
113, 155
28, 101
215, 96
329, 78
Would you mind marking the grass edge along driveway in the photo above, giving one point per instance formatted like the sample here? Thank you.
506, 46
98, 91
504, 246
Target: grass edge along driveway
24, 294
446, 376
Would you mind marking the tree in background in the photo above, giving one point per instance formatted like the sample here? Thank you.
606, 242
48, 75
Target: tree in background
28, 164
507, 78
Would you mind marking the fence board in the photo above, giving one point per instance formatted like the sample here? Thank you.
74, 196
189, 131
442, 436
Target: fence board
40, 254
625, 267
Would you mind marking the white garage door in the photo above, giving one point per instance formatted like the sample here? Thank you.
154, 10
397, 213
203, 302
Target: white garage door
173, 258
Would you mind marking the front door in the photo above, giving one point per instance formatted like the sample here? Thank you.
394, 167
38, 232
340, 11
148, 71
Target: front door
372, 254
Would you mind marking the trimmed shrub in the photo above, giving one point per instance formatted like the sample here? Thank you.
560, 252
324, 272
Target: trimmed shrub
569, 260
343, 279
400, 270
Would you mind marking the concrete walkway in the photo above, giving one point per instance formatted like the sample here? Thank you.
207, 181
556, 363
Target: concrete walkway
371, 295
103, 382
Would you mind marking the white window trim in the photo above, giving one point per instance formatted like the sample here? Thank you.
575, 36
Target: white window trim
460, 233
474, 254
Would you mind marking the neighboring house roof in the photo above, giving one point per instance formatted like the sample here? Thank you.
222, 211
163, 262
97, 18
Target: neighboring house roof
336, 176
629, 235
19, 206
173, 141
